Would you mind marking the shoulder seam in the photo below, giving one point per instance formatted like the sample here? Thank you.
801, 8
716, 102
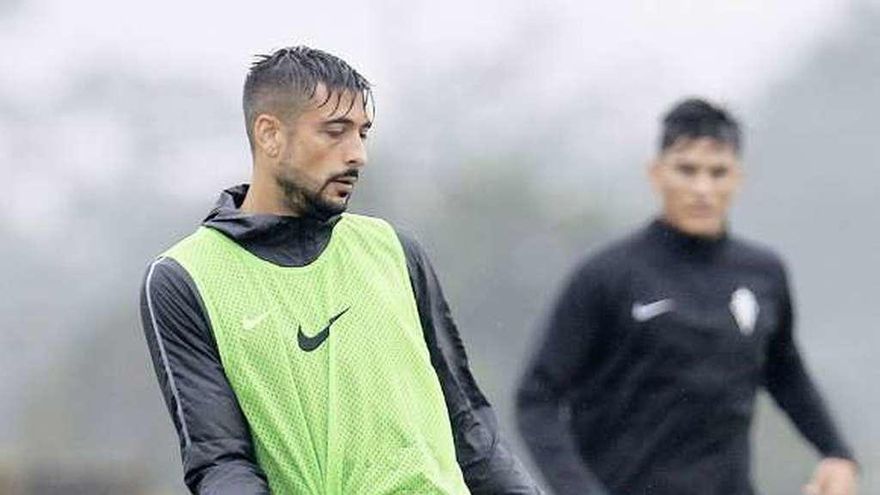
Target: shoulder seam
164, 355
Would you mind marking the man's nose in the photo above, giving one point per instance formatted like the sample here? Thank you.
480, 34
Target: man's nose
356, 152
702, 184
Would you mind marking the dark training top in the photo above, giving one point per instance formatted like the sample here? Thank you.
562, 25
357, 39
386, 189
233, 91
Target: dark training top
646, 379
218, 456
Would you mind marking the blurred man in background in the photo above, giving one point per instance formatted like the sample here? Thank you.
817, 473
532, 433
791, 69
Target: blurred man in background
303, 350
647, 376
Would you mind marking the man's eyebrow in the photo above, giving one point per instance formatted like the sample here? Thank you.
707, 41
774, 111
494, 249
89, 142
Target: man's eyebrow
346, 121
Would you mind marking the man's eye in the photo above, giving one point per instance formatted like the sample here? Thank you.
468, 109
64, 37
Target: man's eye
335, 131
688, 170
718, 173
364, 135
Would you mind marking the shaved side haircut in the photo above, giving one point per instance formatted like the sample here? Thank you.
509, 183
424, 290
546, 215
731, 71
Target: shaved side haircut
281, 83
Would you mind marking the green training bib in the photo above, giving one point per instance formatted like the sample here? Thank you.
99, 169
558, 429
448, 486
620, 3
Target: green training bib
329, 363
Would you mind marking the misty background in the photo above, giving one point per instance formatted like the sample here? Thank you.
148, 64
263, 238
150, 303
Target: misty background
510, 139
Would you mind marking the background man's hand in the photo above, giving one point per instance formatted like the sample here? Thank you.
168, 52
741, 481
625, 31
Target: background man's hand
834, 476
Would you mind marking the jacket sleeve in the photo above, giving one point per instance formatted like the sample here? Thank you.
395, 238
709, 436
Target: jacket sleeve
792, 387
487, 463
215, 442
543, 397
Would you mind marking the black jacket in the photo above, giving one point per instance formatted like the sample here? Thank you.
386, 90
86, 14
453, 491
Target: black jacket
647, 376
218, 456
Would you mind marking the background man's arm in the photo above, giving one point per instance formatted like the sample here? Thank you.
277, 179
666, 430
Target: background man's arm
793, 389
791, 386
215, 442
488, 465
542, 399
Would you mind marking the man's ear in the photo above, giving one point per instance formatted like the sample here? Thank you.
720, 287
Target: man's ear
654, 171
268, 135
739, 175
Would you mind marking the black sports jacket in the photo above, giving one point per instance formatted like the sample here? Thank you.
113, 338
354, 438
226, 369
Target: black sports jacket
218, 456
647, 376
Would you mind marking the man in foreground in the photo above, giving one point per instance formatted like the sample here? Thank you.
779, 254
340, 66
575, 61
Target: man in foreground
303, 350
658, 344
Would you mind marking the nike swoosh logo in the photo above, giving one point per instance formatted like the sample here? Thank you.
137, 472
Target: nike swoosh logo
252, 323
309, 344
645, 312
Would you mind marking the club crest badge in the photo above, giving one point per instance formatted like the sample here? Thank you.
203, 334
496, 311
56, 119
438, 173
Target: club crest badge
744, 307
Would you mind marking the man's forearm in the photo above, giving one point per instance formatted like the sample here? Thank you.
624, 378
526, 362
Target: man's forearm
796, 393
230, 477
551, 443
498, 471
488, 466
791, 385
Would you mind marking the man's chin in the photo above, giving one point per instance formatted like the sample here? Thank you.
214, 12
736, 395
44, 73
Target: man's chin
327, 208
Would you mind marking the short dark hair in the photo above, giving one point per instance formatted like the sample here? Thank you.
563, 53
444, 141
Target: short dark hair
696, 118
281, 82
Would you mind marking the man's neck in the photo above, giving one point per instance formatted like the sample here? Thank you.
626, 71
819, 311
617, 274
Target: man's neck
265, 197
701, 236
